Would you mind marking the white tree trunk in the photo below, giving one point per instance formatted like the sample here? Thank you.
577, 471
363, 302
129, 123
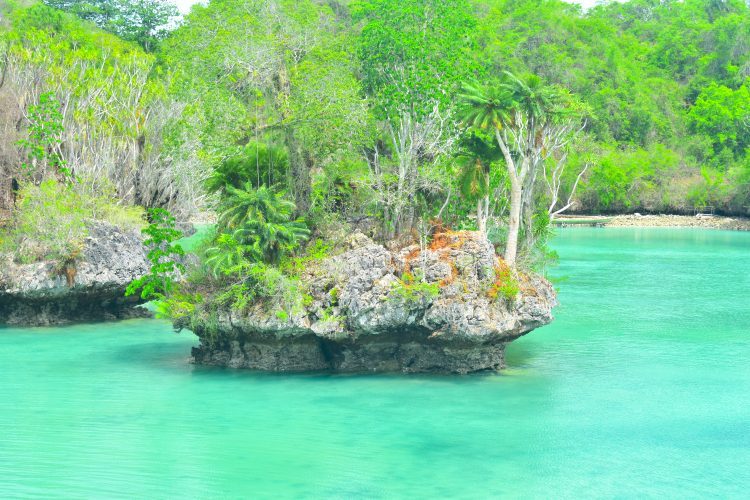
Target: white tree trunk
516, 191
481, 219
514, 223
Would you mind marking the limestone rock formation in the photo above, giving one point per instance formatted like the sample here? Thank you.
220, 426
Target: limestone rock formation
91, 288
433, 309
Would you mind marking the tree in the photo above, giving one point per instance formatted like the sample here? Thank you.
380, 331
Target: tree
475, 174
100, 12
258, 163
560, 188
277, 71
530, 122
414, 54
724, 115
116, 118
43, 143
260, 220
163, 252
145, 22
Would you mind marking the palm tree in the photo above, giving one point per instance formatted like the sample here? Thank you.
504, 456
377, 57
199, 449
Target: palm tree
258, 162
261, 220
531, 97
516, 111
474, 175
487, 107
227, 256
247, 203
272, 240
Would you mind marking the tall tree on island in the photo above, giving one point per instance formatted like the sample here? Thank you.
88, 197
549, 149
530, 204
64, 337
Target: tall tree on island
530, 122
414, 55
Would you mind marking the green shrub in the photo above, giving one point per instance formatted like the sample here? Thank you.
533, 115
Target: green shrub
315, 251
282, 315
43, 141
178, 306
505, 284
226, 257
251, 257
261, 221
159, 283
413, 289
261, 281
50, 221
257, 162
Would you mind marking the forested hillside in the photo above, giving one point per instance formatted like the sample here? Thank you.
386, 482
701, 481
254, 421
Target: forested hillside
668, 86
400, 114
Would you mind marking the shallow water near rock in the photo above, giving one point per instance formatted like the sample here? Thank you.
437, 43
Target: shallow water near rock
640, 387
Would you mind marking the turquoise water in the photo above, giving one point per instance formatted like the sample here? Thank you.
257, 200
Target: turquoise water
640, 388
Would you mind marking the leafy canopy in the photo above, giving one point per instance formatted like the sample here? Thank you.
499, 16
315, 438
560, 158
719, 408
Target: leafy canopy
145, 22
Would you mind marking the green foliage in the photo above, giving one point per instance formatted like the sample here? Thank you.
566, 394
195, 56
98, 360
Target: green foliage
257, 163
145, 22
262, 282
480, 173
43, 143
656, 74
499, 104
336, 104
178, 305
161, 234
260, 221
342, 188
414, 290
315, 252
724, 115
636, 179
540, 256
227, 257
277, 72
415, 53
282, 315
50, 222
505, 286
256, 235
113, 118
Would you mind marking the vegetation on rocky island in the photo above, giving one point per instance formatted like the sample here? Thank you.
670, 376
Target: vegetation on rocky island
296, 122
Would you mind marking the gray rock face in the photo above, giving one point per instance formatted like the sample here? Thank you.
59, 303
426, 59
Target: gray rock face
412, 310
91, 289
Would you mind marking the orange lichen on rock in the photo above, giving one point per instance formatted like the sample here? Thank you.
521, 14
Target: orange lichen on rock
449, 239
506, 284
409, 258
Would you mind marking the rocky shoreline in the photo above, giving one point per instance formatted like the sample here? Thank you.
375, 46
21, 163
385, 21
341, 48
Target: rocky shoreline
366, 314
90, 289
660, 220
706, 222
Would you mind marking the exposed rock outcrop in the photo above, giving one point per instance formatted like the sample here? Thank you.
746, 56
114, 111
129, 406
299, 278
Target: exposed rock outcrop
91, 288
372, 311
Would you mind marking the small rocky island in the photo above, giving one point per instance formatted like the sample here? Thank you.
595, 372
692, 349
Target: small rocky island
88, 288
447, 307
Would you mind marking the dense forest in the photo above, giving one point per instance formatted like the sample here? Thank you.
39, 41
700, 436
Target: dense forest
294, 121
